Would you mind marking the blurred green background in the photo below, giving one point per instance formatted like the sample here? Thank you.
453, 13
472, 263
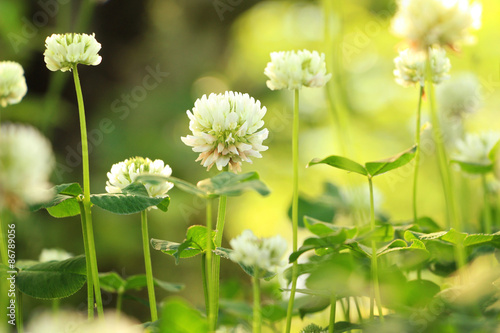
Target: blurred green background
198, 47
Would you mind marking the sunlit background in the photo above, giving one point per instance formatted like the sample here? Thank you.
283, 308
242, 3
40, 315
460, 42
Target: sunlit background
159, 56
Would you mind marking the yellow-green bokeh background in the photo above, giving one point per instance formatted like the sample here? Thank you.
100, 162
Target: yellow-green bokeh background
207, 51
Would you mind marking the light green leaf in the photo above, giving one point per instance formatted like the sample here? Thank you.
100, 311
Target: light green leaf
340, 162
263, 274
112, 282
124, 203
66, 208
180, 317
320, 228
163, 206
53, 279
391, 163
62, 193
170, 248
474, 168
230, 184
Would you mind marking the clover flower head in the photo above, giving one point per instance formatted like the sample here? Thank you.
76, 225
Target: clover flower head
12, 83
411, 67
436, 22
54, 254
26, 162
475, 147
226, 130
265, 253
460, 96
124, 173
293, 70
63, 51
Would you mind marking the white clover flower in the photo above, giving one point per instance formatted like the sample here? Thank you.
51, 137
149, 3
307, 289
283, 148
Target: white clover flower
292, 70
26, 162
411, 67
12, 83
67, 50
475, 147
125, 173
226, 130
265, 253
436, 22
54, 254
460, 96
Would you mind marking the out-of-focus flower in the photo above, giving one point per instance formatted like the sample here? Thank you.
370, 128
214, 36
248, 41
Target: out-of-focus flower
475, 147
460, 96
67, 50
54, 254
125, 173
411, 67
26, 162
436, 22
292, 70
12, 83
226, 130
265, 253
68, 321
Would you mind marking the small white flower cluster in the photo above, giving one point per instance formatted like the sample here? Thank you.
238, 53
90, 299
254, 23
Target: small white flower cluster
475, 147
460, 96
436, 22
225, 129
12, 83
411, 67
67, 50
26, 162
67, 321
292, 70
54, 254
125, 173
265, 253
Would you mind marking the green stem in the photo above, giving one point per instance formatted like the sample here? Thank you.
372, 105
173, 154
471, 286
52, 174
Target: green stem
119, 303
149, 267
452, 216
206, 285
333, 308
257, 315
56, 303
358, 309
221, 217
86, 193
3, 239
207, 264
295, 206
441, 152
90, 284
19, 312
376, 287
417, 153
487, 207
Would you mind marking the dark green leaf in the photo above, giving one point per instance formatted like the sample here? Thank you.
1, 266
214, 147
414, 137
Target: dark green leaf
391, 163
319, 209
53, 279
320, 228
124, 203
179, 183
273, 312
163, 206
136, 188
61, 193
419, 293
170, 248
137, 282
340, 162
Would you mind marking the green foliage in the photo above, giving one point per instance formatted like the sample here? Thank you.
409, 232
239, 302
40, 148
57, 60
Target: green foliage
65, 201
370, 169
114, 283
180, 317
224, 183
195, 243
53, 279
